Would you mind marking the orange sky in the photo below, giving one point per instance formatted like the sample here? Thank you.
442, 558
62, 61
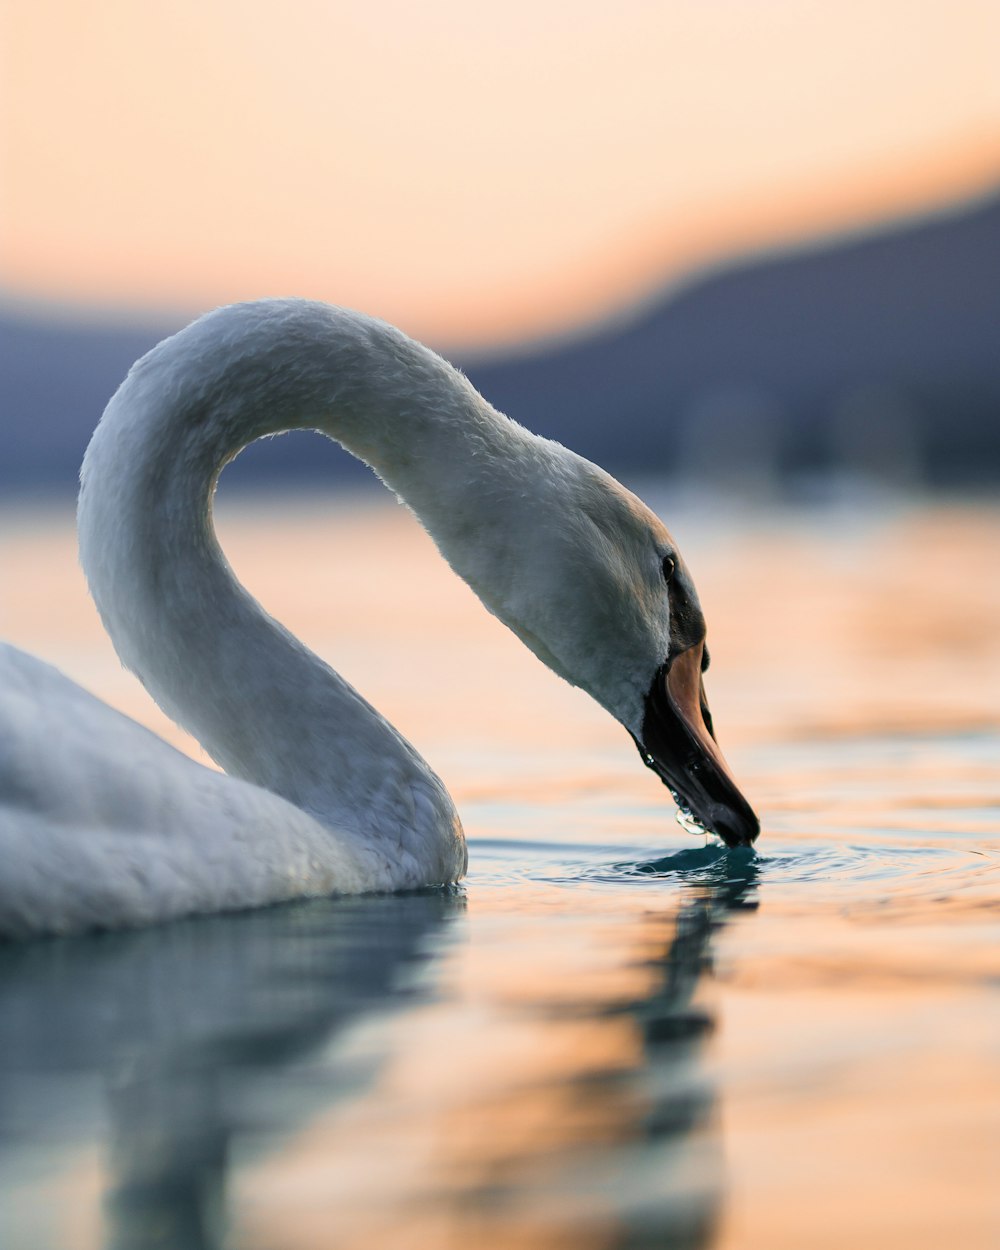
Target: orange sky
468, 172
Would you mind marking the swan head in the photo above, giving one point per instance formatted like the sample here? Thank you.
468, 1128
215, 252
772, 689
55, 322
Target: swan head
592, 582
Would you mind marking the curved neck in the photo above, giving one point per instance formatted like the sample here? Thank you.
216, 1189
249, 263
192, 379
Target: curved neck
264, 706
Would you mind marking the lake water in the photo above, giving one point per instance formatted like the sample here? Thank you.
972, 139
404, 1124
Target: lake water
611, 1035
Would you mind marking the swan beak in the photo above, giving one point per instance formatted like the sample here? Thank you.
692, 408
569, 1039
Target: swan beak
678, 743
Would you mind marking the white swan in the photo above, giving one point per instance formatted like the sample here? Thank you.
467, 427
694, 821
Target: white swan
104, 825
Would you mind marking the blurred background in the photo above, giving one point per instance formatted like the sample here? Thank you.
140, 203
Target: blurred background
752, 244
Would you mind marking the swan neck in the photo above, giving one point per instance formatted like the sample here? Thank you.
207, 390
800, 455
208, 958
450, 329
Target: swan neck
262, 705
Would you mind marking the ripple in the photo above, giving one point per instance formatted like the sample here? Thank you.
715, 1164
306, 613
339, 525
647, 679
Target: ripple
877, 863
804, 871
691, 863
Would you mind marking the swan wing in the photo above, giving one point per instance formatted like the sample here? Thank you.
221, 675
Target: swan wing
104, 825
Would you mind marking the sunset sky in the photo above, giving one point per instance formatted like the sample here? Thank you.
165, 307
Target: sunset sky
470, 172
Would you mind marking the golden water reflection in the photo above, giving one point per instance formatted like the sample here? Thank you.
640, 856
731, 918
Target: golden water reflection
610, 1037
375, 1072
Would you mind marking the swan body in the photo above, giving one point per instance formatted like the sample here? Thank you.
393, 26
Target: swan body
104, 825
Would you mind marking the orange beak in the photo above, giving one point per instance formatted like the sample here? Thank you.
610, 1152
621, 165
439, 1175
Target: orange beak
678, 743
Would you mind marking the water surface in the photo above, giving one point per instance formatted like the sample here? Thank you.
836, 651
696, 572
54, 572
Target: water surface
612, 1034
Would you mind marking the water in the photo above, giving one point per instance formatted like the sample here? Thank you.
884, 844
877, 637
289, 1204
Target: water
613, 1034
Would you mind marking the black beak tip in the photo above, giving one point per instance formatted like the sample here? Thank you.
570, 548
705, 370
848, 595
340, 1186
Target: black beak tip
728, 815
737, 828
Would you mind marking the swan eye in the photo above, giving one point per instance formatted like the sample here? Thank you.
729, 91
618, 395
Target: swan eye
705, 660
668, 567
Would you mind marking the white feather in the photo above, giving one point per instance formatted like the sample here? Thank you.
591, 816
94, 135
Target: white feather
101, 823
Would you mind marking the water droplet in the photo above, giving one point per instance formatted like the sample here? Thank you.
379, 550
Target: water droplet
687, 820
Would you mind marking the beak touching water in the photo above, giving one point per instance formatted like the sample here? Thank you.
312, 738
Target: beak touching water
679, 745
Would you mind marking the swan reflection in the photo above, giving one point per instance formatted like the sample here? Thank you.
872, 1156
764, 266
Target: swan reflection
392, 1071
166, 1046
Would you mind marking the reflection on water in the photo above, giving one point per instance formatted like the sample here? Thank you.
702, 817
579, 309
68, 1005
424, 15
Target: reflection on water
612, 1035
168, 1045
199, 1052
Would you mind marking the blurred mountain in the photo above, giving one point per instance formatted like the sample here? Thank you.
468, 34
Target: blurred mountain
876, 354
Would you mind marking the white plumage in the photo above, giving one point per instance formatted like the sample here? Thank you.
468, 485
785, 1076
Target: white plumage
101, 823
